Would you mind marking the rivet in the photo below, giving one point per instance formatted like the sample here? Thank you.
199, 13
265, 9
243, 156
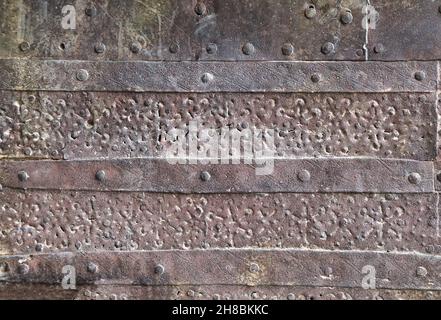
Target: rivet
174, 48
200, 9
310, 12
207, 77
421, 272
100, 175
135, 47
328, 48
27, 151
346, 17
24, 46
420, 75
248, 49
211, 48
254, 295
359, 52
100, 47
205, 176
39, 247
92, 267
23, 268
82, 75
159, 269
414, 178
190, 293
379, 48
91, 11
438, 177
287, 49
291, 296
315, 77
254, 267
304, 176
23, 176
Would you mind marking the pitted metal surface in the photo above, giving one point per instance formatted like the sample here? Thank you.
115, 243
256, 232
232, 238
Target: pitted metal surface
118, 162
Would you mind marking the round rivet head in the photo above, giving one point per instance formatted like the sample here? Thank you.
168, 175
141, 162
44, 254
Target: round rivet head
315, 77
254, 267
310, 12
304, 176
92, 267
174, 48
205, 176
248, 49
420, 75
346, 17
414, 178
328, 48
100, 47
159, 269
207, 77
200, 9
23, 176
100, 175
421, 272
24, 46
82, 75
23, 268
379, 48
135, 47
211, 48
91, 12
39, 247
287, 49
291, 296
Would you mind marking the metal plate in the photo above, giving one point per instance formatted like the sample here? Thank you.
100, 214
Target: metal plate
33, 222
234, 267
78, 125
53, 75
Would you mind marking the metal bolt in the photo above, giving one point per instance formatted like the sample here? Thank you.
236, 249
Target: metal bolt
315, 78
91, 11
200, 9
205, 176
211, 48
159, 269
100, 175
135, 47
420, 75
328, 48
310, 12
254, 267
207, 77
304, 176
421, 272
23, 176
92, 267
23, 268
414, 178
291, 296
100, 47
248, 49
287, 49
346, 17
24, 46
379, 48
82, 75
174, 48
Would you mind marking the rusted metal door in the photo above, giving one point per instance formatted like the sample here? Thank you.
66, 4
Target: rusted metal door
199, 149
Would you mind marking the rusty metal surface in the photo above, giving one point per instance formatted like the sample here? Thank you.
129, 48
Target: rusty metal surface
77, 125
56, 75
159, 175
41, 221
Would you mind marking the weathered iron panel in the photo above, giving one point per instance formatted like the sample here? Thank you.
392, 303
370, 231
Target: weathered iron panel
182, 30
160, 175
40, 221
249, 267
78, 125
52, 75
207, 292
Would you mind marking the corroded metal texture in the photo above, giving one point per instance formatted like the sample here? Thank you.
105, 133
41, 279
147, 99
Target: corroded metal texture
343, 95
78, 125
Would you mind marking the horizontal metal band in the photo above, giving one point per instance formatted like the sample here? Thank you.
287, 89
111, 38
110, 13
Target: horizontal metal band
218, 76
159, 175
40, 221
75, 125
220, 30
18, 291
234, 267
